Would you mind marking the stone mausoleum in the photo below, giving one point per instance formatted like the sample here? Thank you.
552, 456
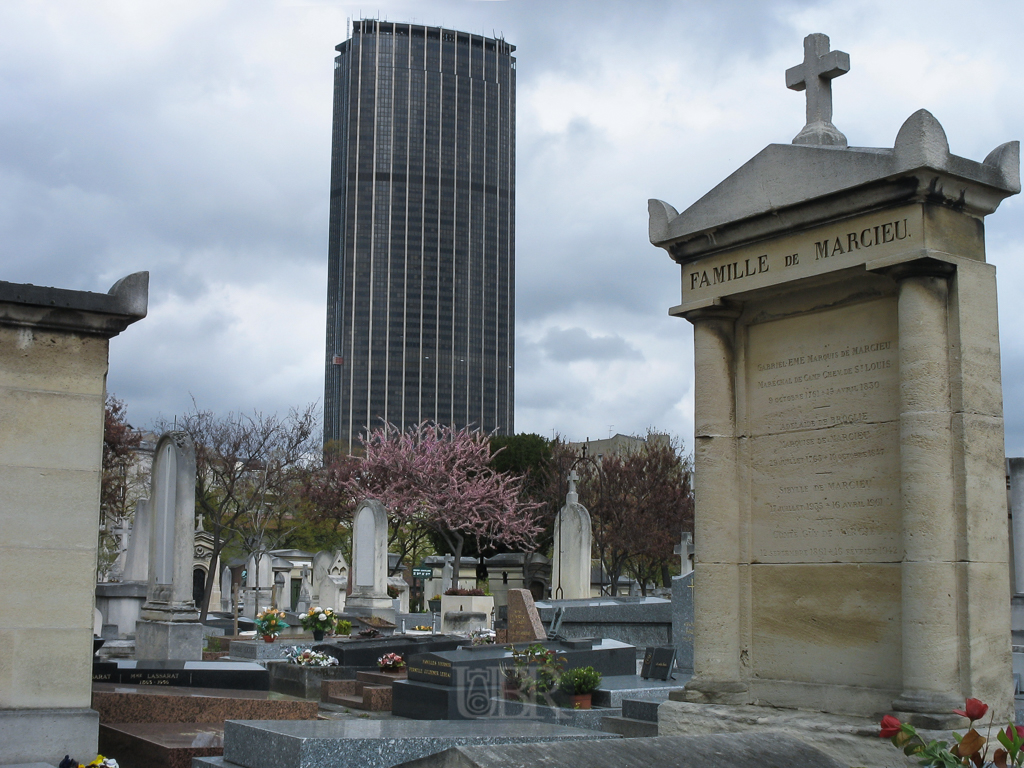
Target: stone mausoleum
850, 505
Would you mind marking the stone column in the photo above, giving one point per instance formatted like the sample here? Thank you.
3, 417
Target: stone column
1015, 469
716, 581
931, 683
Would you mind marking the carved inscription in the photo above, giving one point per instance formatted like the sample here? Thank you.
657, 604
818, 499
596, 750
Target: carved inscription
430, 669
823, 419
823, 249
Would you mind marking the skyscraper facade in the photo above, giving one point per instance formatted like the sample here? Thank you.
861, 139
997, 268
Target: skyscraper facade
421, 273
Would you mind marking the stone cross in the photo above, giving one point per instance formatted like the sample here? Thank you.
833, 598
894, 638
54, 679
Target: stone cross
572, 497
815, 75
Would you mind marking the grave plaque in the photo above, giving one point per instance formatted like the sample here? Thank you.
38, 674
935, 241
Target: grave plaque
658, 663
850, 520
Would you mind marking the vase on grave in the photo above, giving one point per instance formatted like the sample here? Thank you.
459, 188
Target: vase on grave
318, 635
268, 638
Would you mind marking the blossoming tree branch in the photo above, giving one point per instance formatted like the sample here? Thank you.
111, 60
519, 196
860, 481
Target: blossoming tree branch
440, 478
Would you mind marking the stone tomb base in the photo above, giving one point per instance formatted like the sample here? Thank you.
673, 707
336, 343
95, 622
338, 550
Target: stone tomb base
850, 740
169, 640
369, 743
30, 734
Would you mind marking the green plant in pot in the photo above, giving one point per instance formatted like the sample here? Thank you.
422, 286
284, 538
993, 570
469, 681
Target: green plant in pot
578, 685
345, 627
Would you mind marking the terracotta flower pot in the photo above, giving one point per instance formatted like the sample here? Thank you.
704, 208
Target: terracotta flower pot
581, 700
268, 638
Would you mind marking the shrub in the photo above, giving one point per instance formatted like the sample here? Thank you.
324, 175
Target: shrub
344, 627
579, 680
464, 592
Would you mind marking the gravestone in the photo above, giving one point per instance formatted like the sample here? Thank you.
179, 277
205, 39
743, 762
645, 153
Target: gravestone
334, 584
524, 624
369, 569
121, 602
169, 627
54, 346
850, 514
321, 565
682, 621
570, 569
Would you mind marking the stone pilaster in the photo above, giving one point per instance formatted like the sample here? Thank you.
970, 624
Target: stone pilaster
716, 579
930, 653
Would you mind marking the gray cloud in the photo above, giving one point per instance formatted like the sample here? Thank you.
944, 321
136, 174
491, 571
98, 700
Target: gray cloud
193, 139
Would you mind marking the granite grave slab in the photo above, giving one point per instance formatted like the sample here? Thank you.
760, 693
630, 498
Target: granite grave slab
462, 684
370, 743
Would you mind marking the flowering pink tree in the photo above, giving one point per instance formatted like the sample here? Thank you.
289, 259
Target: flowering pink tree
440, 478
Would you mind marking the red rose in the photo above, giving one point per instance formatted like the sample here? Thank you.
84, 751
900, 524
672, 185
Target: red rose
973, 710
890, 727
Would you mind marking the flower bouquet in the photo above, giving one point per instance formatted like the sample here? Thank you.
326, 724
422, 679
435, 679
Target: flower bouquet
318, 620
305, 657
99, 762
970, 749
269, 623
482, 637
390, 662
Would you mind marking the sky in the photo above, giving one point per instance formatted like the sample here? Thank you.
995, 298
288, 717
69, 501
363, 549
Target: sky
192, 139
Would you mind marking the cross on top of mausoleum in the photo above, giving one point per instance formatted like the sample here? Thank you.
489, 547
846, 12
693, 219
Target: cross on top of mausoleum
815, 74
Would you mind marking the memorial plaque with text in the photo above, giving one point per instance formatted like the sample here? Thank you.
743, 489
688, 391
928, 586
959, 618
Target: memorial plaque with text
822, 401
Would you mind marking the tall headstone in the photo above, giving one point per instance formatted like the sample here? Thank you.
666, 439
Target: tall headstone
570, 570
682, 621
369, 573
169, 627
136, 566
524, 624
321, 565
54, 347
851, 504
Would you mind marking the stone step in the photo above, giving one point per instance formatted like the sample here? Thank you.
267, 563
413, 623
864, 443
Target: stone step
333, 688
628, 727
639, 709
374, 698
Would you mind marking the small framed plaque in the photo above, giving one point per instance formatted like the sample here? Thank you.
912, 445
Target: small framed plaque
659, 663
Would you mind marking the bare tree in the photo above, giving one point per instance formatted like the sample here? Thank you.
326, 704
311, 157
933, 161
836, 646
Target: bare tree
250, 469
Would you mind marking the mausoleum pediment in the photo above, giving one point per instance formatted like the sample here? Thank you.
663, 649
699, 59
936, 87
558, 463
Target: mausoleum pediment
791, 186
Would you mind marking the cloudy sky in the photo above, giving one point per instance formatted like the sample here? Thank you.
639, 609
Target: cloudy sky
192, 139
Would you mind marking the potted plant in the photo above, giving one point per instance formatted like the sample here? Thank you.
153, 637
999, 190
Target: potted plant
269, 623
344, 627
537, 670
318, 620
579, 685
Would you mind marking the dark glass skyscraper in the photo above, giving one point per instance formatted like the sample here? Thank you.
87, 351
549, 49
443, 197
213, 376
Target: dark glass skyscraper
421, 274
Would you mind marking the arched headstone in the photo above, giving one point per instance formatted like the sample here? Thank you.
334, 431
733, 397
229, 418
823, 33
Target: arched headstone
369, 573
570, 572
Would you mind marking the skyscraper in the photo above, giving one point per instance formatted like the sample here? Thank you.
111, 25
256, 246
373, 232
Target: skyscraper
421, 274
